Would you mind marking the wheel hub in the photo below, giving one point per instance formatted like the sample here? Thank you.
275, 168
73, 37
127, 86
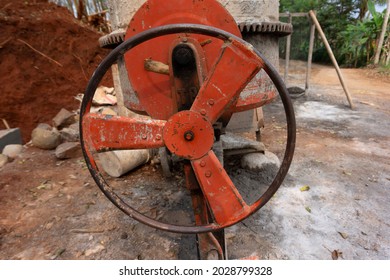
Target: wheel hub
189, 135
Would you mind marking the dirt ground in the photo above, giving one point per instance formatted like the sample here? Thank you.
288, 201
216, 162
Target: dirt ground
52, 209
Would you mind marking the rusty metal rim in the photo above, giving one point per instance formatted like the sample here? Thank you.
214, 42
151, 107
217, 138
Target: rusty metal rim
174, 29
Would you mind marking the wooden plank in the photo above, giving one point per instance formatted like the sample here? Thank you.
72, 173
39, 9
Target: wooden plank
310, 56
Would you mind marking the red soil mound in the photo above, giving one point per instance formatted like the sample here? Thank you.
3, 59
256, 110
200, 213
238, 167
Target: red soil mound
33, 88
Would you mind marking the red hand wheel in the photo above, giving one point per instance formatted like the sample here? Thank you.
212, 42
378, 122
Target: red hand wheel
188, 134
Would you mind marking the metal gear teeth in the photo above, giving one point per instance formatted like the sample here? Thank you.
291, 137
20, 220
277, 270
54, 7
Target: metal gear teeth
278, 28
112, 40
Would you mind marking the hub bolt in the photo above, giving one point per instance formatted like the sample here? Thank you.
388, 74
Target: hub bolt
189, 135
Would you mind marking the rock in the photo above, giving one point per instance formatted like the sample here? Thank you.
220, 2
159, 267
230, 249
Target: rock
3, 160
260, 162
45, 139
97, 249
44, 126
71, 133
233, 144
68, 150
104, 96
109, 111
63, 118
12, 151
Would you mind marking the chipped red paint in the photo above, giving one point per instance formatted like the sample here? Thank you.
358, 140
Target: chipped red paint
181, 125
104, 132
254, 101
226, 203
154, 90
235, 67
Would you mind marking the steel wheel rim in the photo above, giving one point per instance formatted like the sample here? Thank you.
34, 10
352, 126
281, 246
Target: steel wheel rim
167, 30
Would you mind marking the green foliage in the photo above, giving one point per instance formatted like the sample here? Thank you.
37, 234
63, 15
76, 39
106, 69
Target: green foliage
360, 39
353, 40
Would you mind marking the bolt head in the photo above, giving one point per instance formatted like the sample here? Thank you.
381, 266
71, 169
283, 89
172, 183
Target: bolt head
189, 135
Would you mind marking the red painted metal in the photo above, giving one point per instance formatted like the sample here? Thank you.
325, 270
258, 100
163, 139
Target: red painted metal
99, 132
235, 67
154, 90
105, 132
207, 242
189, 135
224, 200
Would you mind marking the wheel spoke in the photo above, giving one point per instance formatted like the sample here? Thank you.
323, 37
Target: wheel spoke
225, 202
105, 132
236, 65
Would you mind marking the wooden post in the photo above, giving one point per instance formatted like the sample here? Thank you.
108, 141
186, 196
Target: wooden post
330, 52
288, 50
310, 56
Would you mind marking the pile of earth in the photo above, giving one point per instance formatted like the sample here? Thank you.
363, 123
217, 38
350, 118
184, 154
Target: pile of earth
46, 59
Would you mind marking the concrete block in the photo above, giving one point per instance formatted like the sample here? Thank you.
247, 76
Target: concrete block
10, 136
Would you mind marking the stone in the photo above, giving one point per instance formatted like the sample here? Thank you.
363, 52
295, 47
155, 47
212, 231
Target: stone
45, 139
95, 250
10, 136
63, 118
45, 126
109, 111
3, 160
71, 133
234, 144
266, 161
13, 150
68, 150
104, 96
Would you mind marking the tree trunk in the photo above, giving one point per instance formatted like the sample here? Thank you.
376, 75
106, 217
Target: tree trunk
363, 9
383, 33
